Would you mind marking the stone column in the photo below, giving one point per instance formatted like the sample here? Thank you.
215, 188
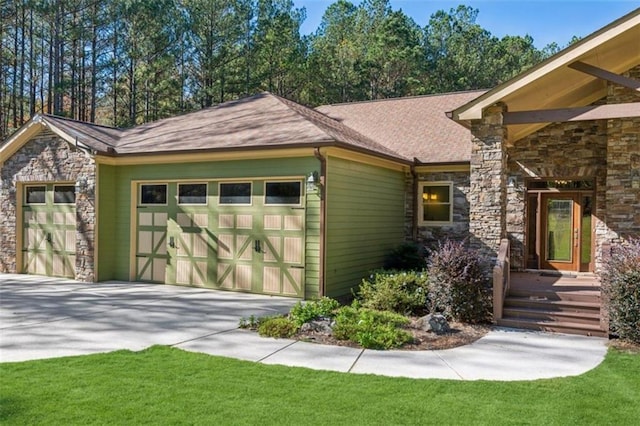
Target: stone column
487, 196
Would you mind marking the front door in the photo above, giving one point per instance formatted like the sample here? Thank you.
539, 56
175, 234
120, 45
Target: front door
565, 223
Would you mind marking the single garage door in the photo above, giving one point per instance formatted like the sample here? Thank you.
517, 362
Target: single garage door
49, 230
236, 235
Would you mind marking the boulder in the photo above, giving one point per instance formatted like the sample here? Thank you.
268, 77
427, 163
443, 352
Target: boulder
434, 322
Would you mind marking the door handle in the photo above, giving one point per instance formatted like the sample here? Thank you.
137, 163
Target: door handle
576, 236
172, 242
257, 246
49, 238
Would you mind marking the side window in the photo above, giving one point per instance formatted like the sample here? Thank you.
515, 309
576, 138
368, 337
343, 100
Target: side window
192, 193
153, 194
278, 193
436, 207
64, 194
235, 193
35, 194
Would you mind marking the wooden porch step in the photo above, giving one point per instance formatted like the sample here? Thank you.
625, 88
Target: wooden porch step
588, 296
557, 315
554, 326
554, 305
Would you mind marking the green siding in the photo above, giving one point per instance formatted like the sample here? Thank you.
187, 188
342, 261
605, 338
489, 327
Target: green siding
115, 205
107, 209
365, 219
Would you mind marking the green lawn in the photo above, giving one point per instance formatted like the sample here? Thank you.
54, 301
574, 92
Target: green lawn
168, 386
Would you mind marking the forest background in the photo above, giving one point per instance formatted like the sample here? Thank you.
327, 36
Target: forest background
127, 62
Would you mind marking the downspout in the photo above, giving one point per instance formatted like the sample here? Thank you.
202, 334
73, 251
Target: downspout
414, 216
323, 216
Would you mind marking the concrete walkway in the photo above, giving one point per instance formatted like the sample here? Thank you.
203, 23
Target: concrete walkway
48, 317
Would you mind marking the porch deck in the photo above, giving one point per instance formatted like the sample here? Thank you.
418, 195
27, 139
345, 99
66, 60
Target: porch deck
566, 303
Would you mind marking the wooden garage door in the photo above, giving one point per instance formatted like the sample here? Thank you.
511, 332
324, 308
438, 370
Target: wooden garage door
49, 230
240, 235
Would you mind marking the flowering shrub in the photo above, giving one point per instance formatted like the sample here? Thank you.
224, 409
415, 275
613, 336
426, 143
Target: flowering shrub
458, 287
401, 292
620, 280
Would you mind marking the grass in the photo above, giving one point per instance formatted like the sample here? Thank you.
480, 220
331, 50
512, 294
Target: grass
162, 385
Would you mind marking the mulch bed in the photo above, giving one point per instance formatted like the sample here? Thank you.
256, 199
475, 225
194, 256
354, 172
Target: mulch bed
460, 335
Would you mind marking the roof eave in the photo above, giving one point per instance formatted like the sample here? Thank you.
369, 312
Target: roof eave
473, 110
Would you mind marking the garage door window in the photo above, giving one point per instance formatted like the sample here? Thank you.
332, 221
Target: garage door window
64, 194
192, 193
35, 194
279, 193
153, 195
235, 193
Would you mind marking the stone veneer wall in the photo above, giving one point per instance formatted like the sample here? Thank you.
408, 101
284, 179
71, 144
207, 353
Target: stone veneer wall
560, 150
623, 169
429, 236
48, 158
487, 194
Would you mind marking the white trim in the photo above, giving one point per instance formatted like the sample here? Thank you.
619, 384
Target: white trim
421, 186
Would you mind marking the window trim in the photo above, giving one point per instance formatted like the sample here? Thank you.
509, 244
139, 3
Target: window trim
421, 186
300, 198
64, 204
140, 203
220, 203
206, 192
26, 198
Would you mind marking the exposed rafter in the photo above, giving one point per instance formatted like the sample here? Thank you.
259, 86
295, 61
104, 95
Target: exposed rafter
606, 75
598, 112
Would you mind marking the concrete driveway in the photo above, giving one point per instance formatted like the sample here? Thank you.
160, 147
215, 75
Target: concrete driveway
44, 317
49, 317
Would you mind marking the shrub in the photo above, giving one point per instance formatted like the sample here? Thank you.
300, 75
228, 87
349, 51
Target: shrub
401, 292
458, 286
277, 327
371, 329
620, 279
408, 257
307, 311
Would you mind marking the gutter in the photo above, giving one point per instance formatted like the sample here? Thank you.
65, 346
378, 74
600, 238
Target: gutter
323, 219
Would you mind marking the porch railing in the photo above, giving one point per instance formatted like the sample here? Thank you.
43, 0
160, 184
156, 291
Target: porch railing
501, 278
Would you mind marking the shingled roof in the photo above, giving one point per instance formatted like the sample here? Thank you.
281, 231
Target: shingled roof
260, 121
400, 129
414, 127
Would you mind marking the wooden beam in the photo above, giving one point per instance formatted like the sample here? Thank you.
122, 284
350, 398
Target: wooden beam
606, 75
597, 112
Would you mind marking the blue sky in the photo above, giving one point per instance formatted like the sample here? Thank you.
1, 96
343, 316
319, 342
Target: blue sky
545, 20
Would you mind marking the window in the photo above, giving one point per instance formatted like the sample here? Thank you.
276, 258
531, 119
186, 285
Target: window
35, 194
283, 193
64, 194
192, 193
153, 194
435, 204
235, 193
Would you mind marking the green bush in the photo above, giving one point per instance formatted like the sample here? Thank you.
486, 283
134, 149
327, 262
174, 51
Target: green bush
620, 279
277, 327
406, 257
459, 289
401, 292
371, 329
304, 312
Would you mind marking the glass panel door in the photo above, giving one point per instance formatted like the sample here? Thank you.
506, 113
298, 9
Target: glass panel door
560, 232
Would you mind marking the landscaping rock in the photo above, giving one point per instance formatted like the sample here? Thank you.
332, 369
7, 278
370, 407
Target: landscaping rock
434, 322
319, 325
